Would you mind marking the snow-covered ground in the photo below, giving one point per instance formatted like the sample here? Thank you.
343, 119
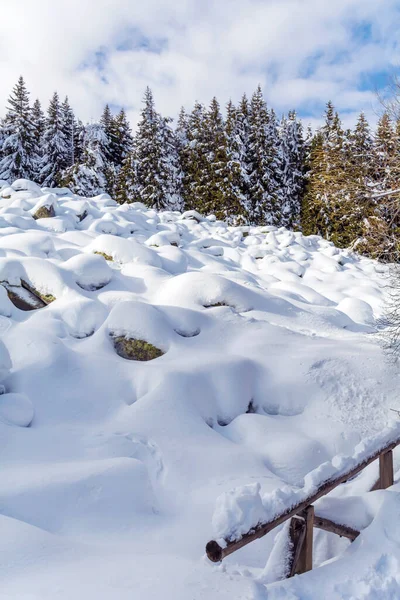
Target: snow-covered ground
270, 367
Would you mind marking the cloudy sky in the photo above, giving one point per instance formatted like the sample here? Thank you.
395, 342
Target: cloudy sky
303, 52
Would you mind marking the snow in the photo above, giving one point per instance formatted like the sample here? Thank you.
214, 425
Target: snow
271, 380
16, 409
238, 511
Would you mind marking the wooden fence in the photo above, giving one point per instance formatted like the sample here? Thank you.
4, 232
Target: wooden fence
303, 518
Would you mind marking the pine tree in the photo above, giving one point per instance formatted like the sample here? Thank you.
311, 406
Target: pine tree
276, 166
382, 226
157, 177
87, 178
112, 167
236, 129
120, 135
359, 172
263, 189
106, 120
221, 191
79, 136
181, 140
68, 127
181, 131
19, 150
385, 153
193, 159
329, 209
56, 147
39, 123
292, 169
313, 217
126, 189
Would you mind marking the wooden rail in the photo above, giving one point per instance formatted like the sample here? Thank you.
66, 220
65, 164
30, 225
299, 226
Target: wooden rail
303, 519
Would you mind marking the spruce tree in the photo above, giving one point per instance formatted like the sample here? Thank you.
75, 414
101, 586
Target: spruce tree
276, 166
19, 149
87, 178
236, 129
221, 179
193, 159
385, 153
68, 128
57, 148
112, 166
79, 136
126, 189
39, 123
382, 227
329, 209
263, 188
156, 170
292, 169
359, 171
120, 135
313, 209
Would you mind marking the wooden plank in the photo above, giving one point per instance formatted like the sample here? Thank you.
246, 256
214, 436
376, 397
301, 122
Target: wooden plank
377, 485
386, 470
297, 534
306, 555
216, 553
332, 527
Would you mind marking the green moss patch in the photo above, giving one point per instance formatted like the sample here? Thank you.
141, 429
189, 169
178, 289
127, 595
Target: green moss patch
44, 212
132, 349
106, 256
46, 298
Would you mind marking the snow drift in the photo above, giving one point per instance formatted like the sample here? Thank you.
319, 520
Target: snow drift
268, 368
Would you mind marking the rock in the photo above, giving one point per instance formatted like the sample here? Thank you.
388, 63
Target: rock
44, 212
136, 349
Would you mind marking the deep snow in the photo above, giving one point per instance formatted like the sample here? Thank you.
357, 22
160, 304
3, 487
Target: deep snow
270, 369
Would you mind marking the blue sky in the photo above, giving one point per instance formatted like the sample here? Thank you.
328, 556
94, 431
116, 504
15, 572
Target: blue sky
302, 52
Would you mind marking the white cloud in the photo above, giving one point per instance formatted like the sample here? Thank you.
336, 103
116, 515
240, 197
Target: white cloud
303, 52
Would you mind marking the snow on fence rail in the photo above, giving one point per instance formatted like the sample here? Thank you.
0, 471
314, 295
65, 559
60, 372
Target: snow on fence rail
297, 504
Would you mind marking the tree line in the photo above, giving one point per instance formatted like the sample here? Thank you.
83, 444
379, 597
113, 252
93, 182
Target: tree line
249, 167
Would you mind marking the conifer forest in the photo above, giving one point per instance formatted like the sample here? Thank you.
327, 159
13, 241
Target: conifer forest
243, 163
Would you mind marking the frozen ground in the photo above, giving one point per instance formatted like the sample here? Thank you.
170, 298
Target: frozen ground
270, 368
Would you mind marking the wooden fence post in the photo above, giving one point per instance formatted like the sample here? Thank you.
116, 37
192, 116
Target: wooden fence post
297, 533
386, 476
301, 535
306, 554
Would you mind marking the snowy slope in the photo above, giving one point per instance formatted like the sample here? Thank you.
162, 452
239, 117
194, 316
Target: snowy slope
269, 368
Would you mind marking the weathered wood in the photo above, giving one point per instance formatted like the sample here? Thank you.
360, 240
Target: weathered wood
377, 485
306, 554
386, 476
216, 553
332, 527
297, 534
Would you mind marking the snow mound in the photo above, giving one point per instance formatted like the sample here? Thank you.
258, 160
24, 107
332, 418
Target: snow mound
16, 409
